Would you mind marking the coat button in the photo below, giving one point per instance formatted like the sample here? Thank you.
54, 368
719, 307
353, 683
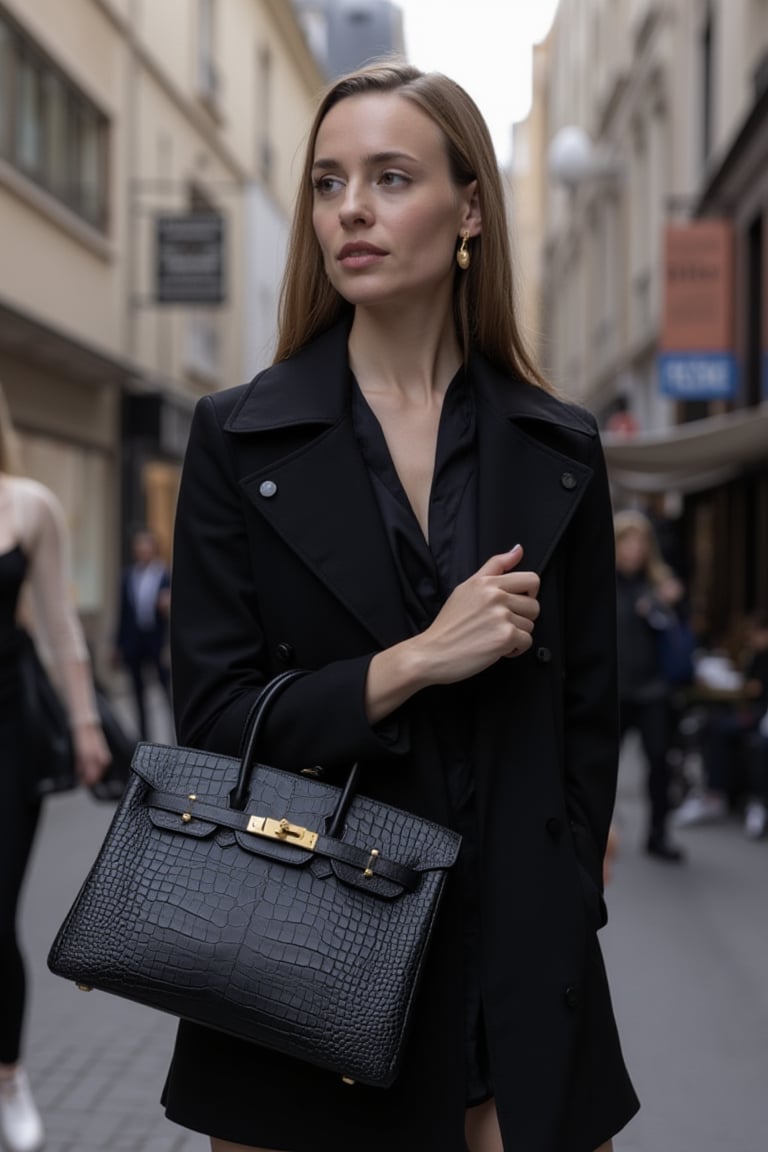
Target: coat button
543, 655
268, 488
572, 996
285, 653
554, 827
568, 480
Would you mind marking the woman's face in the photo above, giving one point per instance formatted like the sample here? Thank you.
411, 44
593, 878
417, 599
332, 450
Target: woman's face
386, 213
631, 551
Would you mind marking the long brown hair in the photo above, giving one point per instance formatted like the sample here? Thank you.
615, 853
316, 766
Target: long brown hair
483, 300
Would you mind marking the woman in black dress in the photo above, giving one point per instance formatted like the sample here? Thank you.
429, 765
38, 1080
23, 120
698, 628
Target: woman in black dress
401, 507
34, 588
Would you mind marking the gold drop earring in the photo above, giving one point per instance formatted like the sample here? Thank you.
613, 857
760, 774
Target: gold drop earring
463, 256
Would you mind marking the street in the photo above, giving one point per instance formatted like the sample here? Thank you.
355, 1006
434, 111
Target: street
686, 949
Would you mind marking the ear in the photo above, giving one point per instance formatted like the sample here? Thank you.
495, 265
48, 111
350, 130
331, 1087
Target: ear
471, 219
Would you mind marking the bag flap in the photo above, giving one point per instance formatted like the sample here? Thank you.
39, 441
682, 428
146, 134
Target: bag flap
399, 836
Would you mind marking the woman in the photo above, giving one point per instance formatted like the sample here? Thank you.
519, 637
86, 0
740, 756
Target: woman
34, 582
647, 593
356, 512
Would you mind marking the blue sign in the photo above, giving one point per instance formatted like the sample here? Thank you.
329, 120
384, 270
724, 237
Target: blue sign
698, 375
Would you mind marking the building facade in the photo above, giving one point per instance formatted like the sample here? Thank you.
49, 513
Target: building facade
344, 34
119, 121
655, 116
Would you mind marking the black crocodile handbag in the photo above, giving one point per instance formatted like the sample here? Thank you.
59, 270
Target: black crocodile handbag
263, 903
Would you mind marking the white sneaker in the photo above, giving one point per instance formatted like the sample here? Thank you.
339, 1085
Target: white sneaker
21, 1129
755, 820
700, 809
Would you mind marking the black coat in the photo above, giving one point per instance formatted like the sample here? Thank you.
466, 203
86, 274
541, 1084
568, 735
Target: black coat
280, 560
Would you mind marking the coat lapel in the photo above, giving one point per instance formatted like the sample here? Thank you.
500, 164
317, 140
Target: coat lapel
527, 490
319, 498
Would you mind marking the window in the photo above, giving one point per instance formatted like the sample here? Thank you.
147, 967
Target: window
5, 83
707, 53
49, 129
207, 72
264, 151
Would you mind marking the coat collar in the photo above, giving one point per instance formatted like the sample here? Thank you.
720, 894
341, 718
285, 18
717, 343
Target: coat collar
312, 388
309, 388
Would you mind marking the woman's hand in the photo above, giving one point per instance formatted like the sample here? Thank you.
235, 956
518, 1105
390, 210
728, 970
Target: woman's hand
489, 616
92, 755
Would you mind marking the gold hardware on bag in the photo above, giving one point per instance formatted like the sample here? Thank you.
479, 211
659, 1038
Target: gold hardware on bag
347, 1080
85, 987
282, 830
368, 871
187, 816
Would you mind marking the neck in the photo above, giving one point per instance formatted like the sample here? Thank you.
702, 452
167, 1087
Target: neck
415, 352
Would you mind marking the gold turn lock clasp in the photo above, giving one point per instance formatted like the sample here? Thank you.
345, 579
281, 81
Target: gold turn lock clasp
282, 830
368, 870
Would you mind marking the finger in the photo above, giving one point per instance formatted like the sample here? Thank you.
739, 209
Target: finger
524, 606
524, 583
521, 646
502, 562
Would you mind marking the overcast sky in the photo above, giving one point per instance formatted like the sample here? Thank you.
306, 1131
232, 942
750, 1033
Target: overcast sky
485, 45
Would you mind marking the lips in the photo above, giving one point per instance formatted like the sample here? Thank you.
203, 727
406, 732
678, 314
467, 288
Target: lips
358, 248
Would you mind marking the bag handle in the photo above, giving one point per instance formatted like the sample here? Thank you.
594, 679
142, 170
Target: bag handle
238, 797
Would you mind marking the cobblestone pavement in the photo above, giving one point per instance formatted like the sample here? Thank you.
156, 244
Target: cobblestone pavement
686, 949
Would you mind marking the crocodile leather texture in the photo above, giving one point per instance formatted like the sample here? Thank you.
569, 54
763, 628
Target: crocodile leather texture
306, 951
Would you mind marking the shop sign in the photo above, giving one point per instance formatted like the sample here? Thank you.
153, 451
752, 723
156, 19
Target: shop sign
696, 360
698, 375
189, 259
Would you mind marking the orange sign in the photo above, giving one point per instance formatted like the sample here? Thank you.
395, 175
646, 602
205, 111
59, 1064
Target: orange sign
698, 287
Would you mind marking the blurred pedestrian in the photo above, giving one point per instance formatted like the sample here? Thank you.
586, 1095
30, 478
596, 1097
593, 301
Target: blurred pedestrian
352, 512
34, 586
756, 810
142, 632
728, 748
648, 595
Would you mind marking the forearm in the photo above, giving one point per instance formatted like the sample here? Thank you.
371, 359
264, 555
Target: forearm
76, 683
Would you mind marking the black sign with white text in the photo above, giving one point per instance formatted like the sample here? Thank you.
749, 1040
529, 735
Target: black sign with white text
190, 259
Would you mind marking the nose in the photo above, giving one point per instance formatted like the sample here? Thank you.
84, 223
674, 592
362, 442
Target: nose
355, 208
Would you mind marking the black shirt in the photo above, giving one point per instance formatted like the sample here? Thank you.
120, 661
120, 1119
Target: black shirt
428, 571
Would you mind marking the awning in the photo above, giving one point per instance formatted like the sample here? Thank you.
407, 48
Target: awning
689, 457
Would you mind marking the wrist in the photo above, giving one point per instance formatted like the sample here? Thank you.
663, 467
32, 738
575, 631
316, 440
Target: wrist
394, 675
413, 667
84, 724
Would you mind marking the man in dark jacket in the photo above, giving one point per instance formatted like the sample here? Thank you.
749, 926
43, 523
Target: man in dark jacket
143, 622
